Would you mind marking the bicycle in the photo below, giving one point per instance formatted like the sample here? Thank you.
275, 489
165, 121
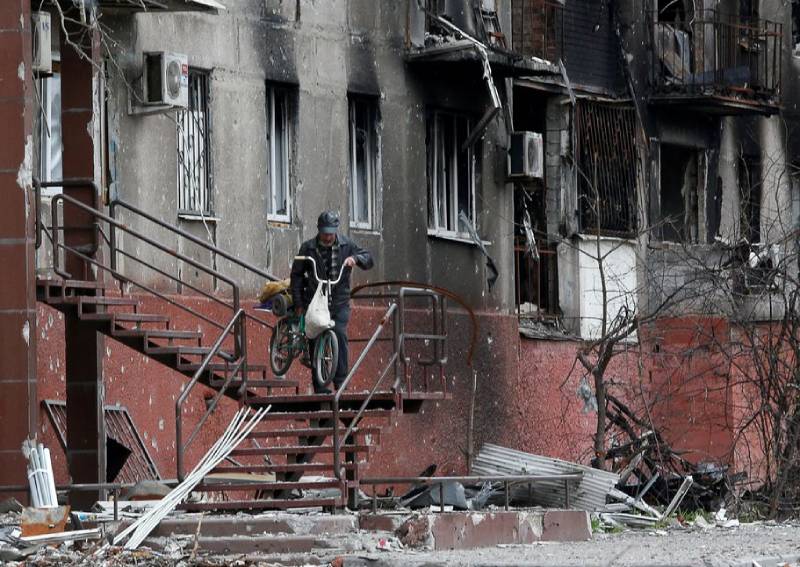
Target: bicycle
289, 340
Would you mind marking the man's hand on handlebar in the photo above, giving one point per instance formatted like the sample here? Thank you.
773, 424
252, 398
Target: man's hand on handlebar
350, 262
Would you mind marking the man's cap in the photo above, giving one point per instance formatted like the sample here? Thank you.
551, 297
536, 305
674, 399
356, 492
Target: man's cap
328, 223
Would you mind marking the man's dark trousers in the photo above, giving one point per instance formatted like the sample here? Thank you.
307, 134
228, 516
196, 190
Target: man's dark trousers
341, 317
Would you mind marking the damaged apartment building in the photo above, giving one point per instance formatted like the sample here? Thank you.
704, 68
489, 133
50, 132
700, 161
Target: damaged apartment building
162, 158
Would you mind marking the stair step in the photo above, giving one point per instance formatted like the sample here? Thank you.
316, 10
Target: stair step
311, 398
127, 317
297, 450
219, 367
177, 349
276, 383
325, 414
170, 334
268, 486
310, 432
283, 468
105, 300
261, 504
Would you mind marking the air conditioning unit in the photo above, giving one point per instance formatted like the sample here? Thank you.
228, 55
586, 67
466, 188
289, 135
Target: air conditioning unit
42, 48
527, 156
166, 79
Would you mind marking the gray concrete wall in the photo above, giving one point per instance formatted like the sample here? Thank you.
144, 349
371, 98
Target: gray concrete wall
325, 49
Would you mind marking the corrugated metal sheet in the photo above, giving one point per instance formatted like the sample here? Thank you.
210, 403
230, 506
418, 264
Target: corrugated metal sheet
589, 495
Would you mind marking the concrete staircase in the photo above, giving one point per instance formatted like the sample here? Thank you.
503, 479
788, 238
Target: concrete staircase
294, 441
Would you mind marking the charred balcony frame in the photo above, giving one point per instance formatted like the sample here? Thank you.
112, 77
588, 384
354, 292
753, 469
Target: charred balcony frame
429, 41
716, 62
538, 29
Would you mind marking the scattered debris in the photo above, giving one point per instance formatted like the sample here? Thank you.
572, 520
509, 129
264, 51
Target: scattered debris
63, 536
10, 505
40, 474
240, 427
39, 521
590, 494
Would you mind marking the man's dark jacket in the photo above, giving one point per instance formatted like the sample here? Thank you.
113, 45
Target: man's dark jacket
304, 284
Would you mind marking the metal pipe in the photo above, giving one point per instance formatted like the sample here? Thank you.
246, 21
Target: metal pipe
530, 478
343, 387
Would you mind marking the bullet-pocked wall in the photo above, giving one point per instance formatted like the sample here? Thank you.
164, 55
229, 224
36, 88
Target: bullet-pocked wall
321, 55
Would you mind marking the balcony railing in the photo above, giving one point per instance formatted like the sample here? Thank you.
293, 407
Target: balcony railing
538, 29
717, 55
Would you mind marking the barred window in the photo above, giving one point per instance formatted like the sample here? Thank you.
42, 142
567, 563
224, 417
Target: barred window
194, 175
278, 146
364, 153
606, 153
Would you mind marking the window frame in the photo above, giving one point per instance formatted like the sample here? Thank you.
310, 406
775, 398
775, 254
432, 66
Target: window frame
206, 206
436, 226
274, 92
370, 106
51, 149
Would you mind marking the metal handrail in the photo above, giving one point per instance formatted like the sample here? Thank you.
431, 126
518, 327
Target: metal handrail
240, 366
199, 241
38, 184
119, 203
339, 440
114, 224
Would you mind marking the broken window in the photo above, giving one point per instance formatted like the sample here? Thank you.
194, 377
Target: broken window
606, 153
451, 173
535, 259
278, 148
679, 189
194, 175
750, 199
364, 159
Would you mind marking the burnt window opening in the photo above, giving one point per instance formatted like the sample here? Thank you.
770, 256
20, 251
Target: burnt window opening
535, 263
750, 197
451, 173
606, 151
194, 172
364, 160
279, 152
679, 184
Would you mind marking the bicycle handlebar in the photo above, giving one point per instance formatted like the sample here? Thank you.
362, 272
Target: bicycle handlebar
316, 274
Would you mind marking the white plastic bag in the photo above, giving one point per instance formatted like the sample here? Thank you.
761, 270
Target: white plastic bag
318, 317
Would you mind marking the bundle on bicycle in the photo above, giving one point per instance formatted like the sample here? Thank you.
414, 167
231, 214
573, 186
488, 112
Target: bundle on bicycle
317, 306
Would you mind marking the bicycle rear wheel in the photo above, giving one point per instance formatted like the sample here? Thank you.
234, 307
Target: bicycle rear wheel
281, 353
325, 358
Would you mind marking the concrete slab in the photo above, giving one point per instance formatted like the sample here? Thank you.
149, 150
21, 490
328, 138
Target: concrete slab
472, 530
261, 524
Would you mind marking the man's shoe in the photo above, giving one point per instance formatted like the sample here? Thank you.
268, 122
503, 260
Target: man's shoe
322, 391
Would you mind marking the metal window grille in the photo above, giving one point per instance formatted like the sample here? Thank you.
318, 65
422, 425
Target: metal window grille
606, 168
120, 427
363, 161
451, 173
194, 173
278, 145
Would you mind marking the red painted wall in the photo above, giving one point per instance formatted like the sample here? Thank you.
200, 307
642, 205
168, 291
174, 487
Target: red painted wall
525, 398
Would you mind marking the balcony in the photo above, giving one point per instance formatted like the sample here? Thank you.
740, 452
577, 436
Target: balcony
445, 32
717, 63
538, 29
